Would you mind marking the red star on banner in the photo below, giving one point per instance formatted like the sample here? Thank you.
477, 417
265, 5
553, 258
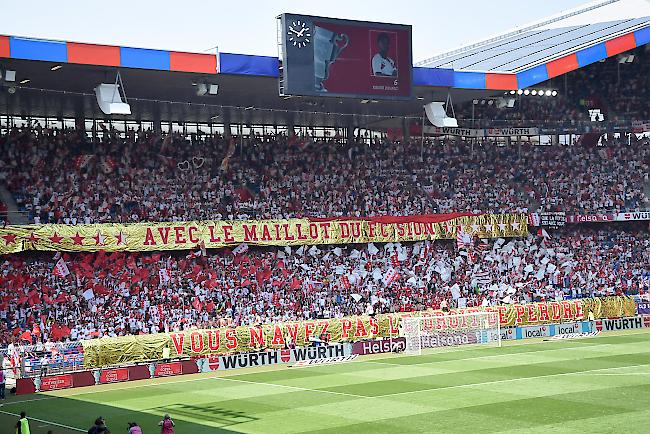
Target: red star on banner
77, 239
99, 239
121, 238
9, 239
32, 238
56, 238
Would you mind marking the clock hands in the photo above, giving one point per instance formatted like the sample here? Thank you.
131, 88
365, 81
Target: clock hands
300, 33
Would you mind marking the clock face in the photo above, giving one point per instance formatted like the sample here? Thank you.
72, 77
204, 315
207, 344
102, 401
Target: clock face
299, 35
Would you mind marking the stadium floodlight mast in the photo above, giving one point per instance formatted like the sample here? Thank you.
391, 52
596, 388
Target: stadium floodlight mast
452, 330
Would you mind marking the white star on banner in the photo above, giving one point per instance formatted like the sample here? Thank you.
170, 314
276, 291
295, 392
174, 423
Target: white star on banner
121, 238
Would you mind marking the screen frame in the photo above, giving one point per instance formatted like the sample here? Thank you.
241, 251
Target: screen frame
285, 77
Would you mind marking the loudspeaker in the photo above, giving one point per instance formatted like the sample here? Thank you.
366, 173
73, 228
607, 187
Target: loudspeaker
437, 115
110, 101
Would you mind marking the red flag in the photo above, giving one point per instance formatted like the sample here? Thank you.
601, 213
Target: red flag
295, 283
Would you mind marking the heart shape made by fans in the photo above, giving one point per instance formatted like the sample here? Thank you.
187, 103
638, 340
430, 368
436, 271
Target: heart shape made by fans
198, 162
184, 165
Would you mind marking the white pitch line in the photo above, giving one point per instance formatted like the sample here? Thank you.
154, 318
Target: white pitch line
618, 373
43, 398
459, 386
295, 388
45, 421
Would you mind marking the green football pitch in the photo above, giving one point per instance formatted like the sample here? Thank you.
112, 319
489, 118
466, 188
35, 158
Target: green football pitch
596, 385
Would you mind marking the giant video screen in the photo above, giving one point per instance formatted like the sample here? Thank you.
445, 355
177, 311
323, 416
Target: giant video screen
344, 58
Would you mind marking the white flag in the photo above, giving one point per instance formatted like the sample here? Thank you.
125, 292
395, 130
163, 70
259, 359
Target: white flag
88, 294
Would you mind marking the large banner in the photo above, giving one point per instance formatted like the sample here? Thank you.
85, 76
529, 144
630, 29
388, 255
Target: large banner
137, 237
225, 340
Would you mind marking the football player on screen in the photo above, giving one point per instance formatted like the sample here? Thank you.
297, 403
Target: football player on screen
383, 65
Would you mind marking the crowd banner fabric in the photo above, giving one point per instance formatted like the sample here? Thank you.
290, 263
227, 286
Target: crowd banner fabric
227, 340
139, 237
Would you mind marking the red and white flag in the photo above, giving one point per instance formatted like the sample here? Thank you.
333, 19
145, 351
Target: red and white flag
240, 249
394, 259
61, 268
463, 239
164, 275
391, 276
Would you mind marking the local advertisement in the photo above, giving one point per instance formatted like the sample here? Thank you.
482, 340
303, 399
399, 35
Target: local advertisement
643, 308
114, 375
167, 369
55, 382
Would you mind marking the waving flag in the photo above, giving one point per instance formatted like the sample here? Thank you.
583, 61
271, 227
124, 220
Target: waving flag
61, 268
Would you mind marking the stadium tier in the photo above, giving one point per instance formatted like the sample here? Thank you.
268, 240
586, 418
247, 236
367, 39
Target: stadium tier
57, 178
118, 294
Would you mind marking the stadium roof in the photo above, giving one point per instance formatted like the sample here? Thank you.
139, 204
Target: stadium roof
159, 82
552, 46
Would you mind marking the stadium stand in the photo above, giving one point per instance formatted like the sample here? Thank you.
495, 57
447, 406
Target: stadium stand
84, 170
617, 86
151, 178
116, 294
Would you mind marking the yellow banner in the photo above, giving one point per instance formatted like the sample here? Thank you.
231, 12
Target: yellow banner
138, 237
127, 349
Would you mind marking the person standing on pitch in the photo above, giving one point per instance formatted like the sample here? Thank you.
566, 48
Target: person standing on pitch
2, 383
22, 426
166, 425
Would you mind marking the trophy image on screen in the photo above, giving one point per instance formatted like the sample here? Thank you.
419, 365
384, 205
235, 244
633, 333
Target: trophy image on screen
328, 46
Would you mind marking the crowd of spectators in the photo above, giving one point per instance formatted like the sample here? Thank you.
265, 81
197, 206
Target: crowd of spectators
117, 294
64, 177
619, 89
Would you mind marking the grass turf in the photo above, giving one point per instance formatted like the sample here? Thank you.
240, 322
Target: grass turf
598, 384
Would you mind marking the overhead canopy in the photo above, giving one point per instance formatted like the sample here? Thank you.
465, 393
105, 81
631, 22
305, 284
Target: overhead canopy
552, 46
